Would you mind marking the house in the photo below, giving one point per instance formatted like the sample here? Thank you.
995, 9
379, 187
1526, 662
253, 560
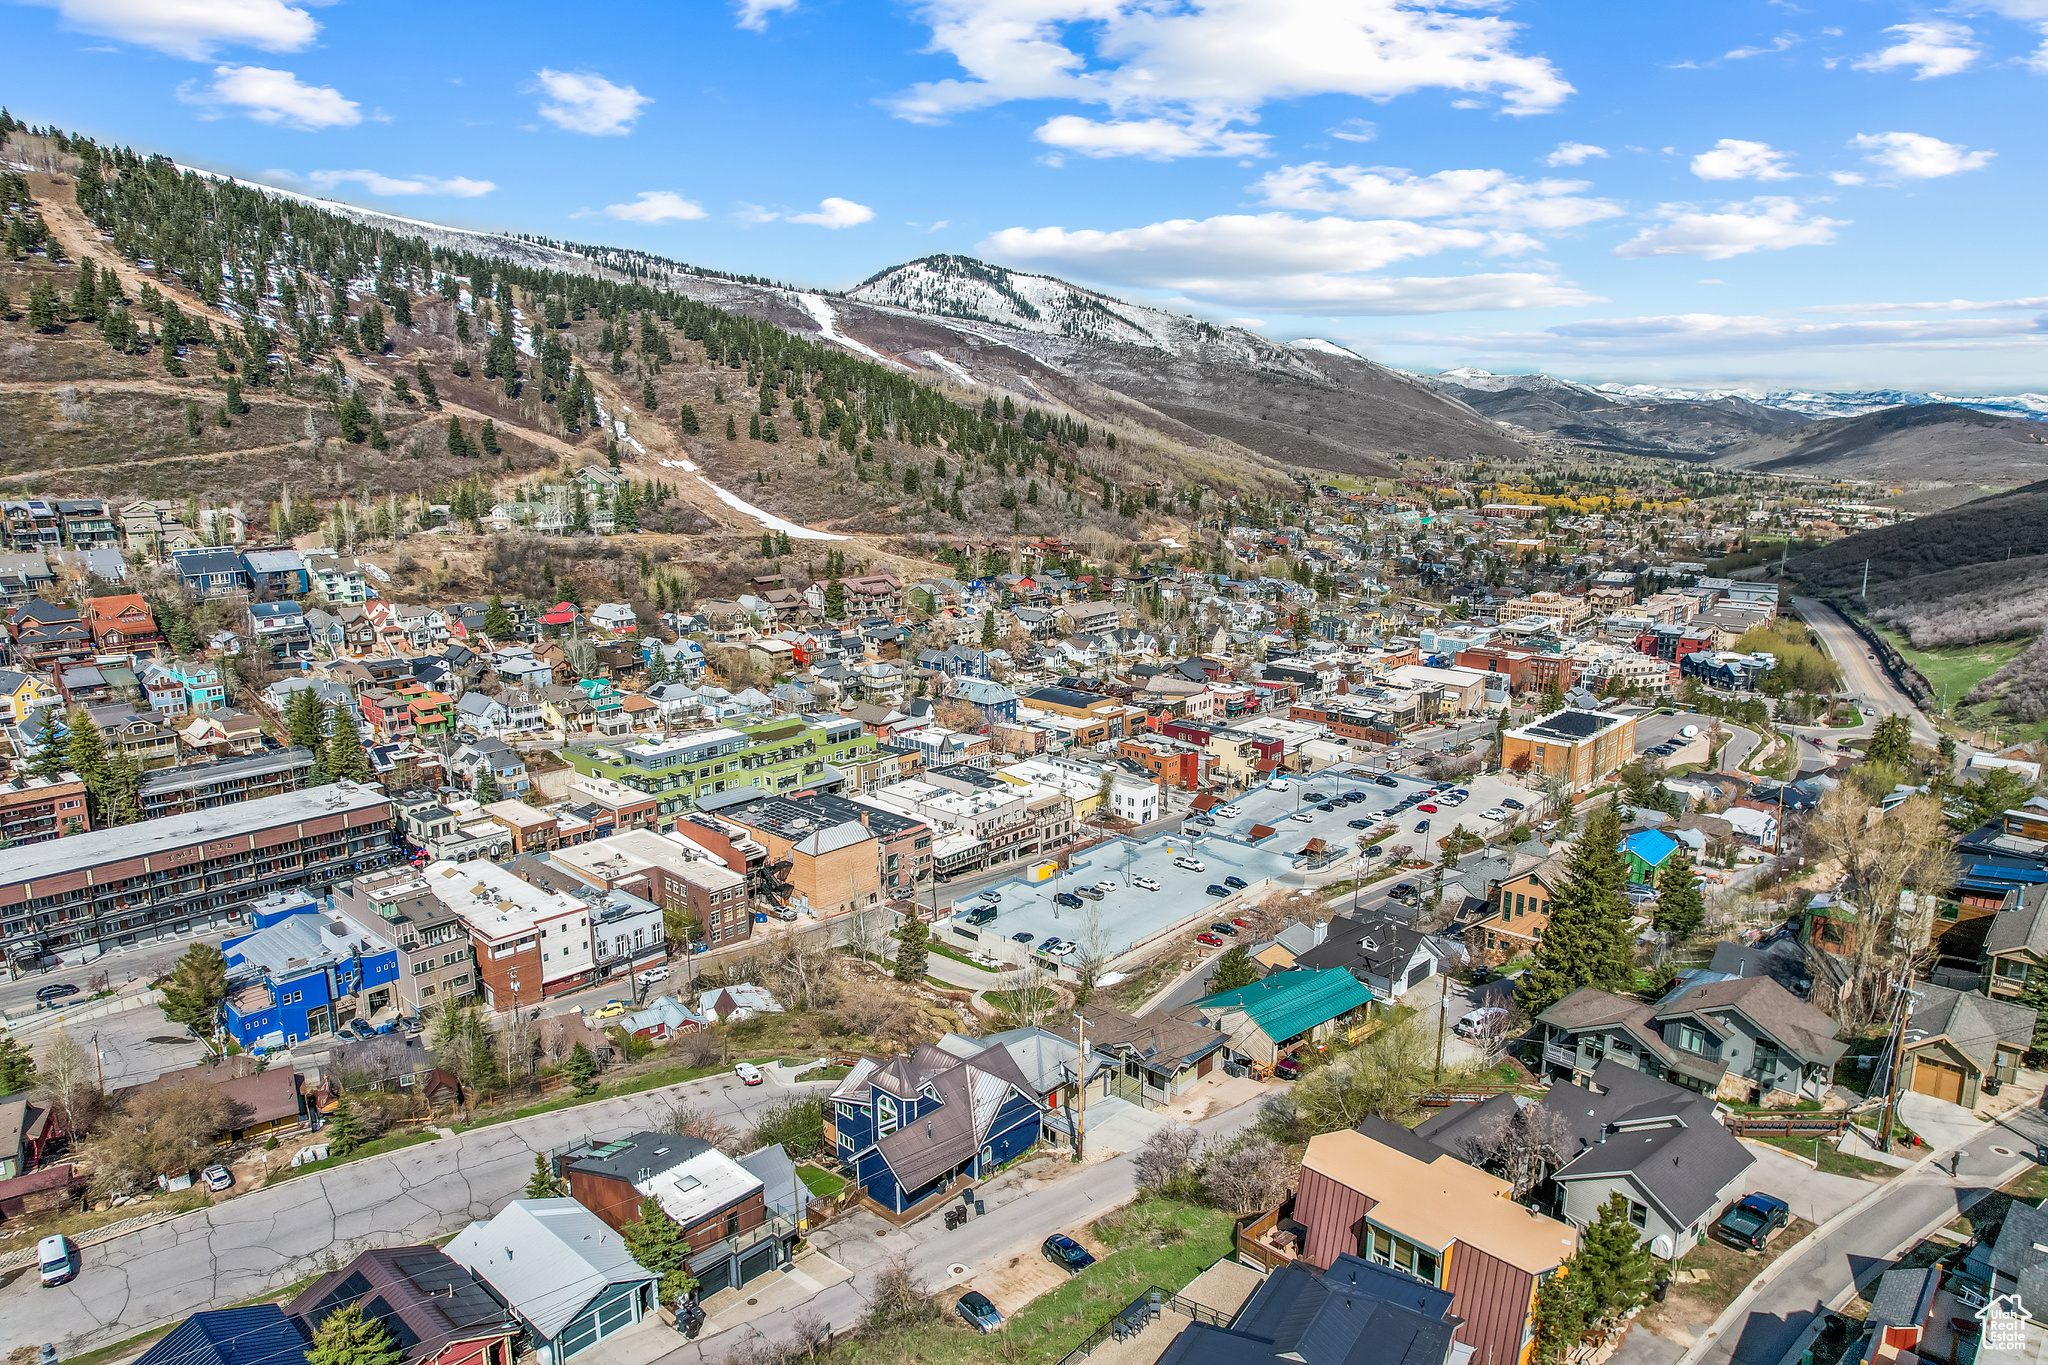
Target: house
258, 1335
662, 1019
1158, 1058
1657, 1145
1280, 1013
277, 573
435, 1309
336, 581
1739, 1037
506, 767
2012, 1260
24, 1130
1356, 1311
301, 975
22, 695
1388, 956
2016, 945
565, 1274
1518, 913
280, 628
1967, 1044
908, 1127
1386, 1195
720, 1205
1646, 851
48, 633
211, 572
1902, 1308
263, 1101
615, 617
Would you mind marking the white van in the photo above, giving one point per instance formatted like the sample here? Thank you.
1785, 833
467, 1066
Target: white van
1479, 1021
58, 1259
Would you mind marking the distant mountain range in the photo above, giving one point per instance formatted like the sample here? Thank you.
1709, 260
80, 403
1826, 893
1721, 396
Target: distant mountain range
1806, 402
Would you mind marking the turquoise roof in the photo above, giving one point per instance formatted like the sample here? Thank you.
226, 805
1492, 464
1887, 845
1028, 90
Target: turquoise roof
1653, 846
1287, 1003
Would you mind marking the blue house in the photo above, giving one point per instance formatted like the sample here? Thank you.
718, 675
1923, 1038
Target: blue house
909, 1127
257, 1335
304, 973
997, 703
210, 572
1646, 851
277, 573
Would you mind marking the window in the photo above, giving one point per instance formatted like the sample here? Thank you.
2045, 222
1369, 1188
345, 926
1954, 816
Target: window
2011, 968
885, 1110
1693, 1038
1638, 1215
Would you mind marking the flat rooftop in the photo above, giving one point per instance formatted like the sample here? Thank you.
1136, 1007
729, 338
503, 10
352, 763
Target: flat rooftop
153, 837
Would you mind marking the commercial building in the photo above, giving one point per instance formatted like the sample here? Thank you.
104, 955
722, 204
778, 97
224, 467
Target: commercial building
436, 962
115, 887
302, 974
777, 755
530, 941
36, 809
669, 872
202, 786
794, 828
1583, 747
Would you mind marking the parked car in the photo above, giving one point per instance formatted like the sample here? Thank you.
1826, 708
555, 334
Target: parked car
1227, 930
1402, 891
1477, 1022
1020, 938
749, 1073
56, 990
1106, 885
1304, 816
1751, 1220
358, 1029
1240, 921
1511, 803
1375, 851
1494, 813
1190, 864
218, 1178
1359, 824
981, 914
1068, 900
981, 1315
1090, 892
612, 1009
1218, 890
652, 975
57, 1258
1235, 883
1280, 786
1227, 812
1427, 809
1066, 1253
1205, 820
1144, 883
992, 896
1066, 948
1209, 940
1052, 941
1353, 798
1287, 1069
1422, 826
1313, 797
1386, 781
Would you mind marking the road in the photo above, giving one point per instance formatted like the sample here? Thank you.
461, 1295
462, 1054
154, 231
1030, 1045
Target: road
1811, 1281
268, 1238
145, 961
1862, 677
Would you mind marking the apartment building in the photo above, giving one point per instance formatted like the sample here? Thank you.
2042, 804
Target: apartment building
1583, 747
1570, 612
775, 755
436, 959
202, 786
36, 809
670, 872
531, 940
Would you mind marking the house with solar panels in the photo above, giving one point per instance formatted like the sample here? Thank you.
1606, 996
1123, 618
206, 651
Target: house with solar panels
436, 1311
567, 1277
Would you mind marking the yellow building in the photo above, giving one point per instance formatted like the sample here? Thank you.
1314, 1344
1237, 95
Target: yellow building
1583, 747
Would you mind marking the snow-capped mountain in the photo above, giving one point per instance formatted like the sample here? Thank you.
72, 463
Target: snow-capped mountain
1814, 403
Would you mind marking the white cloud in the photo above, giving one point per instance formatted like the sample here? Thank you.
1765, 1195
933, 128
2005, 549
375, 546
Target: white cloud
834, 212
1937, 47
1354, 130
584, 102
1573, 154
1935, 306
274, 97
1777, 44
1631, 341
1765, 223
1467, 198
193, 29
1848, 177
1734, 159
1916, 156
656, 206
376, 182
1209, 65
1156, 139
753, 14
1280, 263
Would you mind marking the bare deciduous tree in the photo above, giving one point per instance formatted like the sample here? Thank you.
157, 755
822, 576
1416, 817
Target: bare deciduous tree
867, 931
1167, 1156
686, 1120
802, 969
161, 1132
1248, 1175
67, 1074
1095, 951
1523, 1144
1882, 854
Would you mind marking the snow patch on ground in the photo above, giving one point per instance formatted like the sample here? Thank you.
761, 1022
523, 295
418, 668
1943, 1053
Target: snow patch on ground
958, 371
828, 327
1170, 543
767, 519
683, 465
1326, 347
638, 448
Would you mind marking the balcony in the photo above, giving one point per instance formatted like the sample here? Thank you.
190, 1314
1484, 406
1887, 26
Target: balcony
1558, 1055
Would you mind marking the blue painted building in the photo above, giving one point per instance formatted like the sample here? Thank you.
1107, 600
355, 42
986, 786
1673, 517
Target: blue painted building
303, 973
909, 1127
257, 1335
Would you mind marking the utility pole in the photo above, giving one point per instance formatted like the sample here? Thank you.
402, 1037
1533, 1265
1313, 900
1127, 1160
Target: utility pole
1081, 1080
1864, 594
1443, 1001
1898, 1039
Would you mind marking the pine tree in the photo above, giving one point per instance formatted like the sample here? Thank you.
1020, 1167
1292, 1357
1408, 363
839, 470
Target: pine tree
346, 758
196, 987
306, 720
86, 755
486, 786
458, 441
912, 951
346, 1337
731, 432
686, 420
835, 599
582, 1070
1553, 696
1681, 907
1560, 1316
487, 437
541, 1184
1587, 940
1614, 1264
988, 630
1892, 742
428, 393
1235, 968
498, 623
344, 1128
17, 1066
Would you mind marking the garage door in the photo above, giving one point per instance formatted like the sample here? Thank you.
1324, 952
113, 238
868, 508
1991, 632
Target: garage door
713, 1278
757, 1262
1939, 1079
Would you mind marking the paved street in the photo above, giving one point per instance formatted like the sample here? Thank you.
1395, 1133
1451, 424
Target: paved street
1862, 677
271, 1237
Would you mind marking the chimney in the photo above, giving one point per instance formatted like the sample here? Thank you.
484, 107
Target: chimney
1322, 931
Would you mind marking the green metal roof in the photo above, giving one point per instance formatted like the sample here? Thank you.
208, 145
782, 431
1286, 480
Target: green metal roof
1288, 1003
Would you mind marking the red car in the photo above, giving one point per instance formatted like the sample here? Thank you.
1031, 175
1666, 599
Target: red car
1430, 809
1240, 923
1211, 940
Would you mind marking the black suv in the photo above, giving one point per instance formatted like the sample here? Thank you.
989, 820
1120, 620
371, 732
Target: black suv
1386, 781
56, 990
1067, 899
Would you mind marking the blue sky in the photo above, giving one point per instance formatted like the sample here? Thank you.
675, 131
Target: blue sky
1772, 192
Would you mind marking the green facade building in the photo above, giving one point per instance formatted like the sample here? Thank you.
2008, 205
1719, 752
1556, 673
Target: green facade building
775, 754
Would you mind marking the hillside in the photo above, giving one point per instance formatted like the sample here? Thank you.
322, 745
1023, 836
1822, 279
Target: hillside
1547, 406
2009, 525
1942, 442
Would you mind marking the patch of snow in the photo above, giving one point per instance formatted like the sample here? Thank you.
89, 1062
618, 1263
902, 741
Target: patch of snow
375, 572
959, 372
828, 327
687, 466
1170, 543
633, 443
1325, 347
767, 519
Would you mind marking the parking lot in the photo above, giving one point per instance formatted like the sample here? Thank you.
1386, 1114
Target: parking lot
1658, 728
1129, 915
1277, 804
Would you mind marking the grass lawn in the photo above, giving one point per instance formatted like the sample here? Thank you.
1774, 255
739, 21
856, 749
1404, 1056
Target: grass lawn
1953, 671
945, 951
825, 1073
822, 1184
1831, 1161
390, 1142
1726, 1272
1017, 1002
1154, 1241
